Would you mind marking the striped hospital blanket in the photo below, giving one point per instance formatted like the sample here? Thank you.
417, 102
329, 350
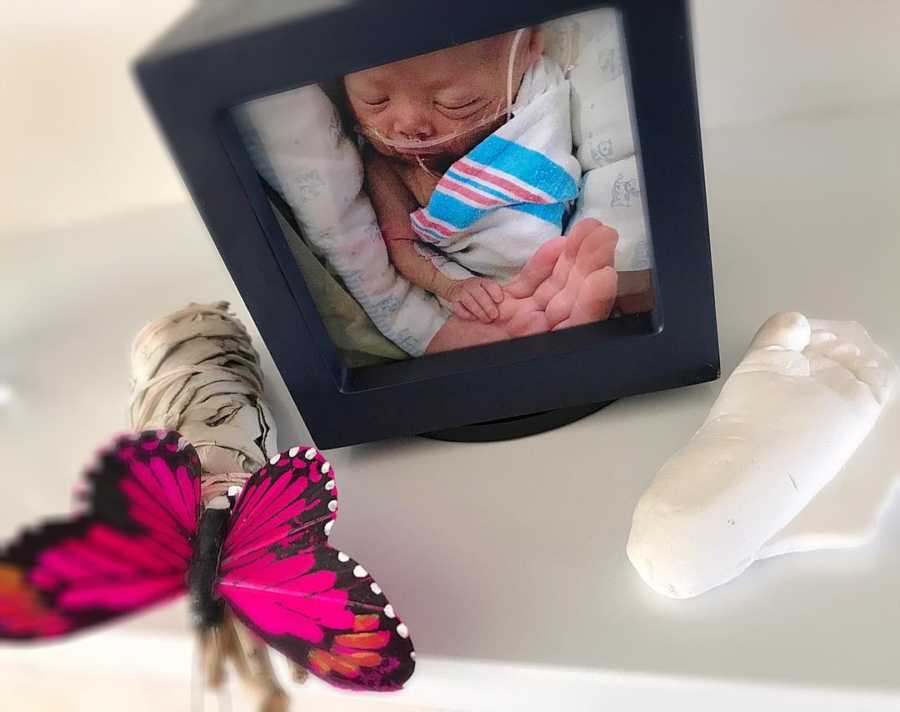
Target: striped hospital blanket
496, 174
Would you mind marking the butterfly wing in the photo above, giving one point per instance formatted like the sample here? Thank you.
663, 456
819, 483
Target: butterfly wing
129, 548
313, 603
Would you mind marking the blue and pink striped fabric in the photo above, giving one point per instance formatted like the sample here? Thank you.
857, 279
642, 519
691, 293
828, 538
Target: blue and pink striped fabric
497, 174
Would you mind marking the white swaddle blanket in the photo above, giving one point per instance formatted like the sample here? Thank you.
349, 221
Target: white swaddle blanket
499, 203
590, 43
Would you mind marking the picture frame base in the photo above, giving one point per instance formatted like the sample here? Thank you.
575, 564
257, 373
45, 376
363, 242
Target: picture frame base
518, 427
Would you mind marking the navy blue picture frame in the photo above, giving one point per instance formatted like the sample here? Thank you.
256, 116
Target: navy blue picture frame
225, 53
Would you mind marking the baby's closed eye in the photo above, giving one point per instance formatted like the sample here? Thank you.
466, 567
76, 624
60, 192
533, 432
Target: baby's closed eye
459, 107
374, 101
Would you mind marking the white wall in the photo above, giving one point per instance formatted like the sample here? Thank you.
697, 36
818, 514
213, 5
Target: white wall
77, 144
75, 140
764, 59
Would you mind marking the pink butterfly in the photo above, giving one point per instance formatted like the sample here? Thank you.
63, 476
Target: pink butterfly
145, 537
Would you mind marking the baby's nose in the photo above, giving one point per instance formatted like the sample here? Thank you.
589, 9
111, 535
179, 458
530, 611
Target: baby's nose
413, 124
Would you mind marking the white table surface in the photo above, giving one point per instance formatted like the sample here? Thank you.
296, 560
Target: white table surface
507, 560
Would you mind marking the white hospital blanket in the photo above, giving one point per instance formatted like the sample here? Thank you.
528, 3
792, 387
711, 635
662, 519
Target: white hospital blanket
602, 130
297, 145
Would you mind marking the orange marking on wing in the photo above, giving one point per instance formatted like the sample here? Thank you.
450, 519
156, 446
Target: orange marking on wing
345, 666
364, 641
10, 577
324, 662
364, 623
21, 608
320, 661
365, 658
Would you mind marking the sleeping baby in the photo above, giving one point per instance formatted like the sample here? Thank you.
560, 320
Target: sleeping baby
469, 164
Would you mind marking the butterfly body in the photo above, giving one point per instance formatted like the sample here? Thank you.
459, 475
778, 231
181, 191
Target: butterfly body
207, 610
145, 537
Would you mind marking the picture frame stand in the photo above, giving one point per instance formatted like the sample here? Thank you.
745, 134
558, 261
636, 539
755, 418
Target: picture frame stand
518, 427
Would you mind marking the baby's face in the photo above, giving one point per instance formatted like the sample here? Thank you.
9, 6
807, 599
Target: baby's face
439, 94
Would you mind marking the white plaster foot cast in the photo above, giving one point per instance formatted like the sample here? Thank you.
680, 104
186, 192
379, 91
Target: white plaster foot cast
846, 512
787, 421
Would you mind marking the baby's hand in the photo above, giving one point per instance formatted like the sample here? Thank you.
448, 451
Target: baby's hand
476, 298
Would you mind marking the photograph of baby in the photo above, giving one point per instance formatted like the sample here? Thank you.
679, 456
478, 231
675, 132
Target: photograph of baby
482, 192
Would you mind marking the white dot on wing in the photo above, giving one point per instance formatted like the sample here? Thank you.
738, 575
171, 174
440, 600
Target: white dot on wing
342, 557
389, 611
274, 459
329, 485
310, 454
402, 630
293, 451
376, 589
326, 468
328, 526
332, 505
360, 572
412, 654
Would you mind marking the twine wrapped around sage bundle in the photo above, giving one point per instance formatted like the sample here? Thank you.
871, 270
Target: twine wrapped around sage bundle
196, 371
